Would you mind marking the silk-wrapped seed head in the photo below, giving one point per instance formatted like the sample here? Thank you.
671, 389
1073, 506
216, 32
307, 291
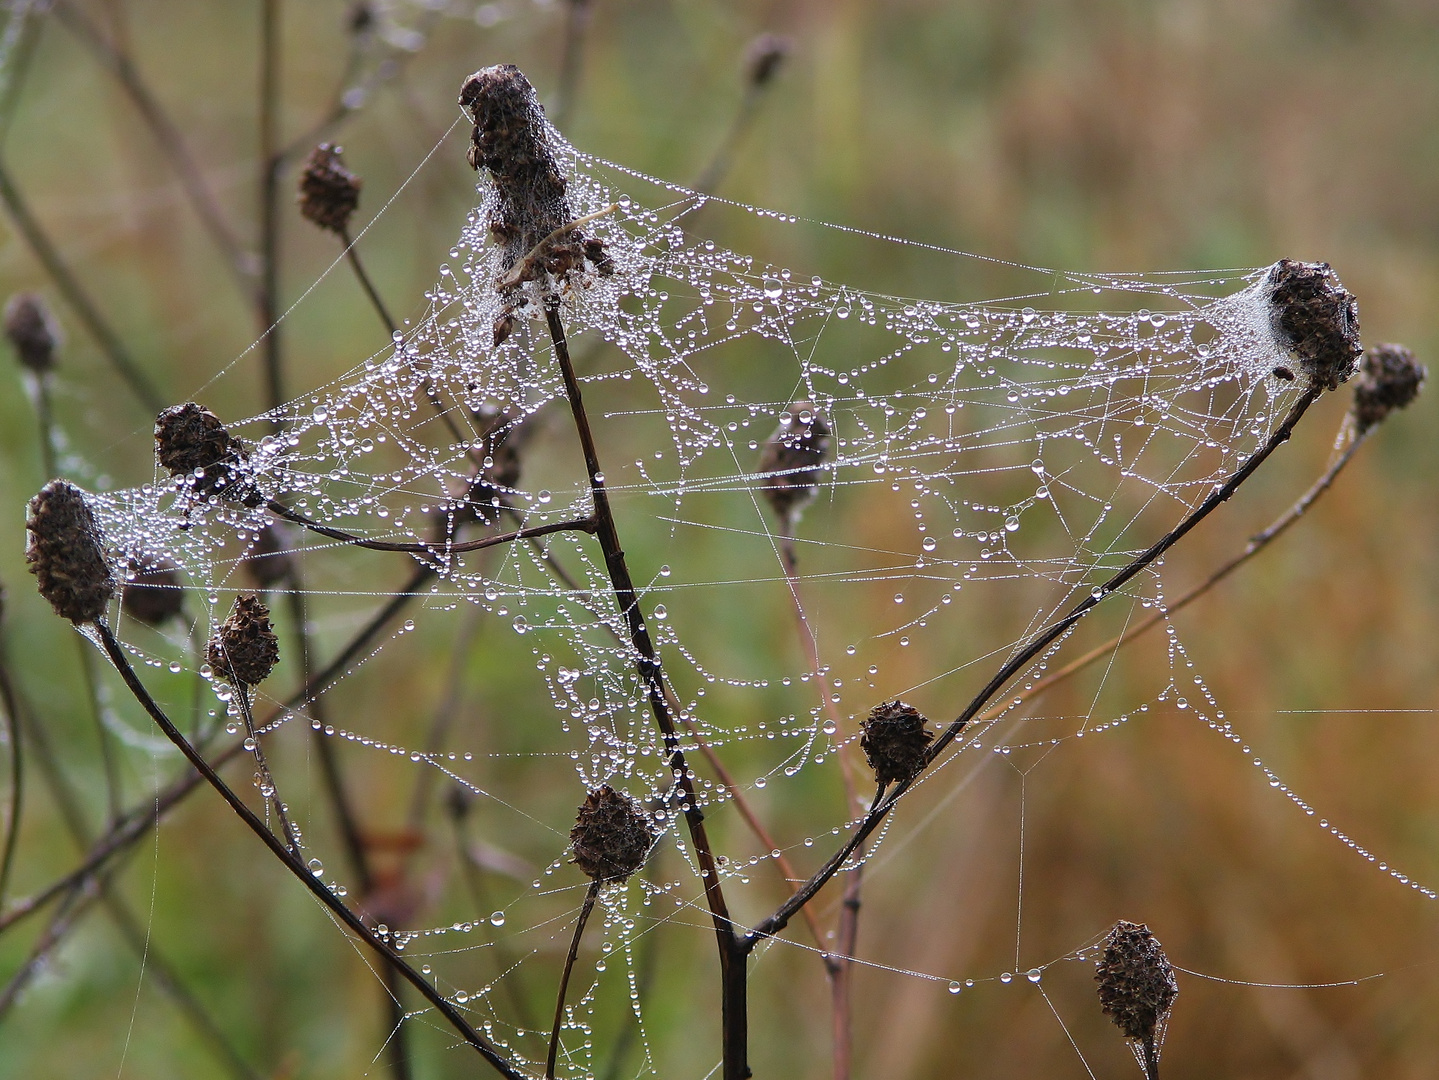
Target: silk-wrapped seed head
1316, 319
612, 835
65, 550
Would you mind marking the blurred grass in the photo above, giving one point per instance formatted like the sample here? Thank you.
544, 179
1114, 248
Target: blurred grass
1089, 135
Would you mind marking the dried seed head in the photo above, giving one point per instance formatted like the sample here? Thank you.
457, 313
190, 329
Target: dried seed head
33, 331
1137, 987
894, 740
329, 192
612, 835
153, 591
511, 141
268, 562
764, 56
501, 438
790, 460
190, 441
244, 649
1389, 379
65, 550
1316, 319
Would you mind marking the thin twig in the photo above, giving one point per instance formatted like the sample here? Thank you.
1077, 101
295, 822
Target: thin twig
884, 801
267, 780
434, 550
269, 184
1257, 543
17, 778
585, 909
292, 862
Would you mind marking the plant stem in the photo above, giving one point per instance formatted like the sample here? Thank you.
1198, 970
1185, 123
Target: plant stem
292, 862
434, 550
585, 909
267, 779
269, 183
577, 22
1257, 543
884, 802
734, 1003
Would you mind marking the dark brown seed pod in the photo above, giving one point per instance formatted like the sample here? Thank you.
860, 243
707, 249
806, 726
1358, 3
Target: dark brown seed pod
191, 442
1137, 989
33, 331
764, 56
329, 192
1389, 379
1316, 319
894, 740
612, 835
153, 591
65, 550
268, 562
790, 460
244, 649
529, 213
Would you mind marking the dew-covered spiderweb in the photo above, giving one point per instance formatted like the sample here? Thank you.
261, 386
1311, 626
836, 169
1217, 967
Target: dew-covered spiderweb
991, 464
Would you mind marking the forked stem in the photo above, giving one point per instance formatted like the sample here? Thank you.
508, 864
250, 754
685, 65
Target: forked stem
585, 909
734, 998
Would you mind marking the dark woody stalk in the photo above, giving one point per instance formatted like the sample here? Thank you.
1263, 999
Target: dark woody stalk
531, 218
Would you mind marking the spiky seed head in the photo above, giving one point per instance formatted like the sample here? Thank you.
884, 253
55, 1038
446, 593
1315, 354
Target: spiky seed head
1389, 379
894, 740
244, 649
33, 331
1137, 986
612, 835
65, 550
329, 192
764, 56
190, 441
153, 592
1316, 319
789, 462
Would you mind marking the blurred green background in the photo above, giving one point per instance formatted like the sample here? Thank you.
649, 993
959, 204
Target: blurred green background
1095, 135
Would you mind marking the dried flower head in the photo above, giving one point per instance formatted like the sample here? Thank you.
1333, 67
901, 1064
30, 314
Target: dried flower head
528, 212
1389, 379
244, 649
33, 331
65, 550
190, 441
790, 460
894, 740
612, 835
1137, 988
153, 592
1316, 319
268, 562
764, 56
329, 192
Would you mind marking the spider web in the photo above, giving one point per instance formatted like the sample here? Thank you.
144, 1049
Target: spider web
992, 464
